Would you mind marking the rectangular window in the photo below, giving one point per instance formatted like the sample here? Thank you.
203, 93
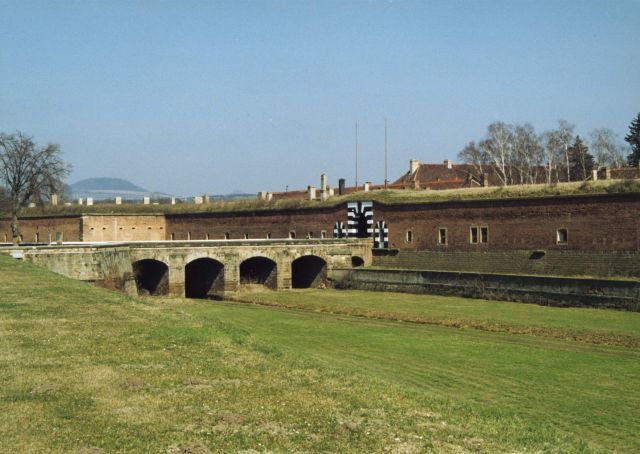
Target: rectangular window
473, 235
310, 235
409, 236
269, 235
246, 236
562, 236
484, 234
207, 236
323, 234
292, 235
173, 236
188, 236
58, 237
442, 236
227, 236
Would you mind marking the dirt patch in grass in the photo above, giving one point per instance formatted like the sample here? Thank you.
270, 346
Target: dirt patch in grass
45, 388
188, 448
133, 384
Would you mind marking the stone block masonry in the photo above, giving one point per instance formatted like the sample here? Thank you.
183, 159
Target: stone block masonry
552, 291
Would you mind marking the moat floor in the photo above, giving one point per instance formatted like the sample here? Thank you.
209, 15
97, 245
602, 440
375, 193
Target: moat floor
82, 368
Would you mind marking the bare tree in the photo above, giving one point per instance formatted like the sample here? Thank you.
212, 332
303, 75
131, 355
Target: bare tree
498, 147
606, 146
527, 153
29, 172
471, 154
4, 200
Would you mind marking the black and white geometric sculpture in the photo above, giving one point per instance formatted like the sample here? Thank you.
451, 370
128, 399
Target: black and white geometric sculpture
360, 219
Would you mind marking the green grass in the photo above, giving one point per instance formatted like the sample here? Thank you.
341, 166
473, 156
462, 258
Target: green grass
588, 325
85, 368
384, 196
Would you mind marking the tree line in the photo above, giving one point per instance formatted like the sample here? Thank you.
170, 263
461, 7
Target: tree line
517, 154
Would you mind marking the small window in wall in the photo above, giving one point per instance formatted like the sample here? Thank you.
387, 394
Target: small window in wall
246, 236
310, 235
5, 237
226, 235
188, 236
292, 235
119, 228
442, 235
207, 236
269, 235
562, 236
484, 234
173, 236
59, 237
409, 236
474, 235
149, 228
37, 237
104, 228
91, 228
323, 234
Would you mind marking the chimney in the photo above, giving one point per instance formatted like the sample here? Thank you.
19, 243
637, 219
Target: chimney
448, 164
341, 186
413, 165
311, 192
323, 182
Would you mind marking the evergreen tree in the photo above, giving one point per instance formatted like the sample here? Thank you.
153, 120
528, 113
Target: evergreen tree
634, 140
580, 160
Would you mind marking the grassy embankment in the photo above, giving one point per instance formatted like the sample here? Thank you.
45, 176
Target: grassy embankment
85, 368
388, 196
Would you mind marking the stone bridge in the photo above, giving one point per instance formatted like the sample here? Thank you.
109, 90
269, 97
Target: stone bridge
201, 268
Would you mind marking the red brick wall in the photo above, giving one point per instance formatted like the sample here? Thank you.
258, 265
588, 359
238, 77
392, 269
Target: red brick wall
256, 224
593, 223
69, 226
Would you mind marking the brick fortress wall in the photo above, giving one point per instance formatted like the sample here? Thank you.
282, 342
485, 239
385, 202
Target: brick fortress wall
44, 228
255, 224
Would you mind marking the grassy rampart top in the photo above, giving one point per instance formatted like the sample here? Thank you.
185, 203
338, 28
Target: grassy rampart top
384, 196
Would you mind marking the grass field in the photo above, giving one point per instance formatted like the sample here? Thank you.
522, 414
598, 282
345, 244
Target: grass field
83, 369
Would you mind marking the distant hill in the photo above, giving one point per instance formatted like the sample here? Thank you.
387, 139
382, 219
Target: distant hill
105, 184
102, 188
109, 188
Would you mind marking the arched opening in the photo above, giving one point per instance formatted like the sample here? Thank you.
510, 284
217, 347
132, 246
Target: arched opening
357, 261
308, 271
259, 270
152, 277
203, 277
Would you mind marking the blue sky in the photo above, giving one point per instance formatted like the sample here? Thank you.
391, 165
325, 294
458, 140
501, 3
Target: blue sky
191, 97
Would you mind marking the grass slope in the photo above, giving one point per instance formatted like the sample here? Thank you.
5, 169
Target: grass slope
588, 325
82, 368
384, 196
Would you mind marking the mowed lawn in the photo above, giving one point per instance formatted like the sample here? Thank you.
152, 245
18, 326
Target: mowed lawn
85, 369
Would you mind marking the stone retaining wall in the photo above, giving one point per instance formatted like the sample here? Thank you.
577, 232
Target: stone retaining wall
553, 291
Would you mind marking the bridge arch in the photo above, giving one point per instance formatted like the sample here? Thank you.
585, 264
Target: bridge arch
152, 277
203, 277
357, 261
308, 271
259, 270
